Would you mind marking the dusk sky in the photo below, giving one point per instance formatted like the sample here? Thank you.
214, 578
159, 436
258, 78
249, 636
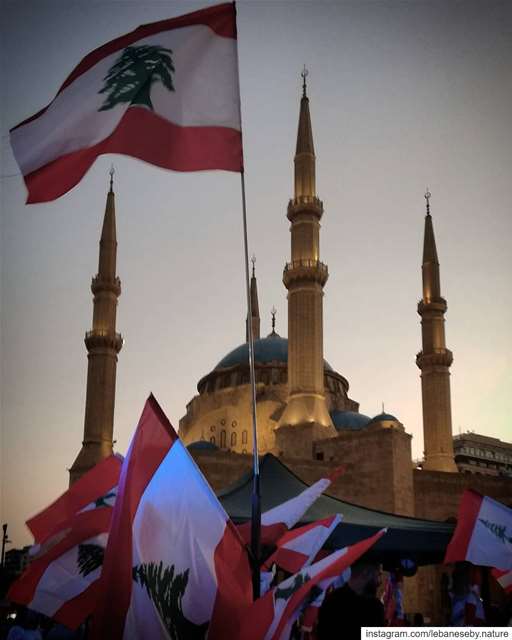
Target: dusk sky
403, 95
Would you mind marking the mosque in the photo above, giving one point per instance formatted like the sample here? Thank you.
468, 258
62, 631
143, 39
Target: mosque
305, 415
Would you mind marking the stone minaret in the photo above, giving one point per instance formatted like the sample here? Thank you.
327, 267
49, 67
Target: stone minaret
103, 344
305, 277
434, 361
254, 307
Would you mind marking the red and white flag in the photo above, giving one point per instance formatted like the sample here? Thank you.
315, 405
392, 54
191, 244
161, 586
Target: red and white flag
175, 566
298, 548
166, 93
277, 521
483, 534
71, 534
504, 578
272, 616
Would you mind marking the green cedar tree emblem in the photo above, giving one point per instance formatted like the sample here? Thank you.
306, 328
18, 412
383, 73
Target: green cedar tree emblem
287, 592
131, 76
90, 558
499, 530
166, 590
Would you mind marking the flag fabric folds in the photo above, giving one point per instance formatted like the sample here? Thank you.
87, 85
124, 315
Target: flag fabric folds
166, 93
483, 534
174, 565
298, 548
71, 534
277, 521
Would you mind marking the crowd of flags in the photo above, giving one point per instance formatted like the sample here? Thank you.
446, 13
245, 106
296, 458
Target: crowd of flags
143, 548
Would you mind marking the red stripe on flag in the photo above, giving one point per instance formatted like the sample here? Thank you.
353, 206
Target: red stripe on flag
75, 611
152, 441
149, 137
220, 18
466, 518
270, 533
85, 525
94, 484
233, 581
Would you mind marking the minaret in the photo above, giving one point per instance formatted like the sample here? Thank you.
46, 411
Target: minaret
305, 277
103, 344
254, 307
434, 361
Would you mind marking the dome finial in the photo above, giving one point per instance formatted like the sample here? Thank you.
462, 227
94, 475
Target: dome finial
253, 260
304, 74
383, 407
273, 311
112, 172
428, 195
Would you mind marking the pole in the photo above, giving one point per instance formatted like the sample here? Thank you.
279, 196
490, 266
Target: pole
4, 542
256, 498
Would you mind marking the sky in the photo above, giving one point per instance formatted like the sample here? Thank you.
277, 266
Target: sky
403, 95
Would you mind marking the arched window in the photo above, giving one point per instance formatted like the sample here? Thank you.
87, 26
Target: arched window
223, 439
233, 439
244, 436
212, 439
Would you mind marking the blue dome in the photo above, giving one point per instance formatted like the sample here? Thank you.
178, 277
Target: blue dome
384, 416
349, 420
202, 445
273, 348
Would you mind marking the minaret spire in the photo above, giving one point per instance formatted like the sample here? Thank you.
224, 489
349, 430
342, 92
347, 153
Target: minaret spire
305, 277
434, 360
254, 306
103, 344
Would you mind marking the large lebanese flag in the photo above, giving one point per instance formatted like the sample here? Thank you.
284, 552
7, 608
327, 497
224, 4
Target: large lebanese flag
71, 534
166, 93
175, 565
483, 534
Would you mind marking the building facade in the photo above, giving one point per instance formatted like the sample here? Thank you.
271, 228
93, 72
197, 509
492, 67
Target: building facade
483, 455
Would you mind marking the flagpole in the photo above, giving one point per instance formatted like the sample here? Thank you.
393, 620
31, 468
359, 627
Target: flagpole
256, 498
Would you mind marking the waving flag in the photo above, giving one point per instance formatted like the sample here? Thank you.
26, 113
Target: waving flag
166, 93
483, 534
297, 548
71, 534
271, 616
175, 566
276, 522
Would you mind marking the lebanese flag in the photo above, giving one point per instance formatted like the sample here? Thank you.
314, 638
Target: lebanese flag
174, 565
312, 606
504, 578
97, 484
272, 616
62, 580
298, 548
166, 93
483, 534
277, 521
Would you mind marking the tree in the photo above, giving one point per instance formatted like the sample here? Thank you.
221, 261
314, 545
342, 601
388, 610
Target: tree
131, 76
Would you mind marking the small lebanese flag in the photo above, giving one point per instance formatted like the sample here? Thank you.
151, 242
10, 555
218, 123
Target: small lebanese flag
174, 566
166, 93
271, 616
61, 582
483, 534
298, 548
504, 578
276, 522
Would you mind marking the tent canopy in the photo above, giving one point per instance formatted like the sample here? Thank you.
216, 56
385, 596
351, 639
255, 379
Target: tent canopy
423, 541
